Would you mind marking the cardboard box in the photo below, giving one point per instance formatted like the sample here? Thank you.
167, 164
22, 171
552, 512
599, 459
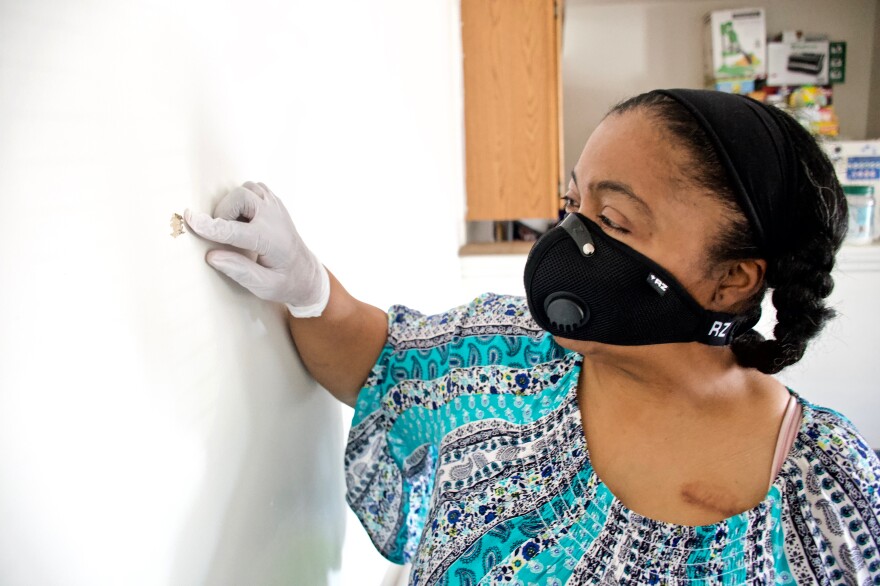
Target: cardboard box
735, 44
797, 63
856, 162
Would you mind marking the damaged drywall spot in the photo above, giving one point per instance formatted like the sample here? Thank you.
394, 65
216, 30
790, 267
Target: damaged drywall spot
177, 225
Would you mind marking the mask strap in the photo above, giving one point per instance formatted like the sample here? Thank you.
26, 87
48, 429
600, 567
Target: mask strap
719, 329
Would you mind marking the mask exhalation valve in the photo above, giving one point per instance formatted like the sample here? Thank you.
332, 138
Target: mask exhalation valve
566, 311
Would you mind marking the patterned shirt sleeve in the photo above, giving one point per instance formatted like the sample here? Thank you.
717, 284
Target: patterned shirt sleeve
391, 454
403, 411
838, 513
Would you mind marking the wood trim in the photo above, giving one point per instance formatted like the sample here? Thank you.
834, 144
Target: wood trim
560, 154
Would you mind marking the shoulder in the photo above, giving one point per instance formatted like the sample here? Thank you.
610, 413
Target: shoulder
488, 314
832, 499
832, 440
413, 399
486, 338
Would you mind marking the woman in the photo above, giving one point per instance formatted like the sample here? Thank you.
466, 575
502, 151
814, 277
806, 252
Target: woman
620, 424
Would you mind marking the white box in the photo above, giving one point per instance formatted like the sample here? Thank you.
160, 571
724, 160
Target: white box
857, 162
797, 63
735, 43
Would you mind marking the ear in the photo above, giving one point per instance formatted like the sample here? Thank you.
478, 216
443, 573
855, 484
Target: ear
738, 281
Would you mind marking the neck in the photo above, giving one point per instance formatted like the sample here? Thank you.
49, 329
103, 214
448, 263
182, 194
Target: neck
676, 376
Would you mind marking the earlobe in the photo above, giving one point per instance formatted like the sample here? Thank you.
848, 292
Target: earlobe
740, 280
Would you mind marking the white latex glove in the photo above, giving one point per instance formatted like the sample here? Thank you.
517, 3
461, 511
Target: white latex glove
251, 217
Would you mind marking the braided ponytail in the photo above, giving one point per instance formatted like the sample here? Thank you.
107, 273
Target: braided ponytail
800, 277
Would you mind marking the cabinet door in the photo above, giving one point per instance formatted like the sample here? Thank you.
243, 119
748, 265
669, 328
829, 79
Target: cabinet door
512, 103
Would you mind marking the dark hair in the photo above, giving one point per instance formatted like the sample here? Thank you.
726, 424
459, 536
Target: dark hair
800, 276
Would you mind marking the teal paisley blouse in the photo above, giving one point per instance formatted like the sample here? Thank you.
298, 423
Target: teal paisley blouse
467, 458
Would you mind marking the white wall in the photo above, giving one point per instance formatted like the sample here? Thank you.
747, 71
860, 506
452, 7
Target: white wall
156, 426
616, 49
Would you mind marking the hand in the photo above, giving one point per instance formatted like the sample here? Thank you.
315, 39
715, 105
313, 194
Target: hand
251, 217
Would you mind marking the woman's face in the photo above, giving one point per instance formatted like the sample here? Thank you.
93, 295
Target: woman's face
629, 180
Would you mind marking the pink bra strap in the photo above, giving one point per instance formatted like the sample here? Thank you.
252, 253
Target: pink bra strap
787, 433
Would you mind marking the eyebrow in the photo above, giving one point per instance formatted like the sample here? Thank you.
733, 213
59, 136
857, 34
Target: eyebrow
621, 188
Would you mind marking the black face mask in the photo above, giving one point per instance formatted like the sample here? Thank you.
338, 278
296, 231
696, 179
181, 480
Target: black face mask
584, 285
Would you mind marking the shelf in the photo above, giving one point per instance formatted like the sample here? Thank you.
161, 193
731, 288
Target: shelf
491, 248
857, 257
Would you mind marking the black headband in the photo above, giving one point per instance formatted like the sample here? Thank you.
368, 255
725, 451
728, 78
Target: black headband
756, 149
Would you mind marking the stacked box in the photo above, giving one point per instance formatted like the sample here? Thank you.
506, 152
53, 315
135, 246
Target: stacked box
797, 63
857, 162
735, 44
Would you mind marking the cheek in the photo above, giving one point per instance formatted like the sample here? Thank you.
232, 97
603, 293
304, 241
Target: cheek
682, 249
699, 284
704, 292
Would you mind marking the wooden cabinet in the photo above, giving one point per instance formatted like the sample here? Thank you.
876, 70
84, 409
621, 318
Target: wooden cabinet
512, 60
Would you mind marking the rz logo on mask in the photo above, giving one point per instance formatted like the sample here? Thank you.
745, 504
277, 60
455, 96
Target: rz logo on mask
719, 328
658, 285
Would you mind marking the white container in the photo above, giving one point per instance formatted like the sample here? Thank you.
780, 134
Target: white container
860, 200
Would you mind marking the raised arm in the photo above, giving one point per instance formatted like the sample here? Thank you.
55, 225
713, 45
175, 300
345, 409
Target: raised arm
341, 346
338, 337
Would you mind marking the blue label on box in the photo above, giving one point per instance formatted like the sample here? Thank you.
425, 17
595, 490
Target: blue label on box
863, 168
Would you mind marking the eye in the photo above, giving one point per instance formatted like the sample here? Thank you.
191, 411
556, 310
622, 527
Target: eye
568, 203
611, 225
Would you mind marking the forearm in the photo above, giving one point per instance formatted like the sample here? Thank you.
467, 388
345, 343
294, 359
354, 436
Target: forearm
341, 346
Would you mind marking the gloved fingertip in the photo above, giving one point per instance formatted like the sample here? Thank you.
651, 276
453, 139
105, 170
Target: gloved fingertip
190, 218
211, 257
199, 222
219, 259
